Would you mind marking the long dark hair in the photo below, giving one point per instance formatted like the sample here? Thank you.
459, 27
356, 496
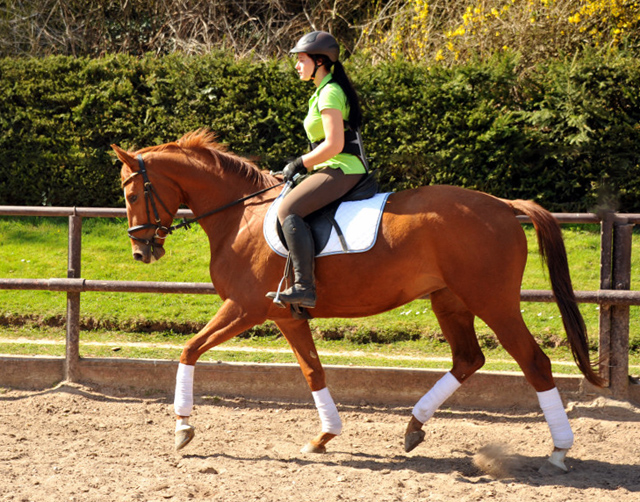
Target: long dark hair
340, 76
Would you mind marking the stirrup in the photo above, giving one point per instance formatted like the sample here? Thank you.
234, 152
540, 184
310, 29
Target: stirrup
276, 296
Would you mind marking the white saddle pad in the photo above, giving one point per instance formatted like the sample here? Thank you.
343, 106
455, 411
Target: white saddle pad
359, 221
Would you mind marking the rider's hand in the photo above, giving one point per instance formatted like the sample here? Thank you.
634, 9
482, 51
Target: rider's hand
293, 168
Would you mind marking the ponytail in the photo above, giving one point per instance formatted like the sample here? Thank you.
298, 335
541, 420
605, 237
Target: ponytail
340, 76
355, 112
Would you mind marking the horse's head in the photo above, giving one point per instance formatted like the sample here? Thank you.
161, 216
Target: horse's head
152, 201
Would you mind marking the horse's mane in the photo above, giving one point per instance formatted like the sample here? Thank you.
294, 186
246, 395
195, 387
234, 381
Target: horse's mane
206, 140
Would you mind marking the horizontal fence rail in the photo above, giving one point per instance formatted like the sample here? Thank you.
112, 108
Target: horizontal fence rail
86, 285
614, 296
106, 212
204, 288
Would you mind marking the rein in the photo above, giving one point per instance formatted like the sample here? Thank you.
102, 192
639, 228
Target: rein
151, 195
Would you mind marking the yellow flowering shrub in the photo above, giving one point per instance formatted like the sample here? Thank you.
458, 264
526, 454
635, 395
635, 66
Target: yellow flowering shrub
451, 31
401, 28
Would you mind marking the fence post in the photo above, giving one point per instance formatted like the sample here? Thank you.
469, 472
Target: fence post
606, 269
74, 261
619, 343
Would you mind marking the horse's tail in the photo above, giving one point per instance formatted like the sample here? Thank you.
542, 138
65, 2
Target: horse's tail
554, 254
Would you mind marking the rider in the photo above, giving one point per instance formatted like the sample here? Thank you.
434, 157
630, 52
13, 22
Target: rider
334, 113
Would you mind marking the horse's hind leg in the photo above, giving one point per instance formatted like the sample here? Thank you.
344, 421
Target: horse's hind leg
516, 338
456, 322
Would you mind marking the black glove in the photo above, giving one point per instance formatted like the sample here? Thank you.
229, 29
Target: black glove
293, 168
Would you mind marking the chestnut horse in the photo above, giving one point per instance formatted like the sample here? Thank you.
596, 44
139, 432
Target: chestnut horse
465, 249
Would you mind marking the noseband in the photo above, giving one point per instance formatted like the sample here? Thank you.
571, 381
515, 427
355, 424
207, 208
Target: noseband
151, 196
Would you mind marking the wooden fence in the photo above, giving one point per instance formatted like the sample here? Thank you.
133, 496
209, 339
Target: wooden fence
614, 296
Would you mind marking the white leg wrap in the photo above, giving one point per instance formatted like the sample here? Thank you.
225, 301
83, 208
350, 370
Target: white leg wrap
556, 417
183, 403
329, 417
432, 400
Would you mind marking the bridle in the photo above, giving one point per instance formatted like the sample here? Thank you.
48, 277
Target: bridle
152, 199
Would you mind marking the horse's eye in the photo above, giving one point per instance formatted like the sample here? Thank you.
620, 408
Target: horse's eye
133, 198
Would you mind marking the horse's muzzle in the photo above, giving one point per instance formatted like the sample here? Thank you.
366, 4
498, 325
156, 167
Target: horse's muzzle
147, 254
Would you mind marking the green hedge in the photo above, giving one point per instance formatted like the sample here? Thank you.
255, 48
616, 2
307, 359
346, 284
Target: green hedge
566, 133
59, 115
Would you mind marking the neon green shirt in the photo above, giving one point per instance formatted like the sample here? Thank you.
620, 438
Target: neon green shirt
330, 95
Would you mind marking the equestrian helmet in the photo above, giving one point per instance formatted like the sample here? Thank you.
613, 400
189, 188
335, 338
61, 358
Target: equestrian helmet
318, 42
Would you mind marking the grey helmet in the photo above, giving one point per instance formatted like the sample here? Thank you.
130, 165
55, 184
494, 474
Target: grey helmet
318, 42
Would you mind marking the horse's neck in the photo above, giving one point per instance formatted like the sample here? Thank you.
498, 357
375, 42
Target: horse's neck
207, 189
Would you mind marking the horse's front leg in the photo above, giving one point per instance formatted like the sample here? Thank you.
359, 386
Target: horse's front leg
230, 321
298, 334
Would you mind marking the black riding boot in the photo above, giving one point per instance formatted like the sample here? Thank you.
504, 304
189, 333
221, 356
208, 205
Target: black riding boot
301, 249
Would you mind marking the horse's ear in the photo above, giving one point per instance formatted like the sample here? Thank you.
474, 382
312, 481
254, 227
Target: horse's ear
125, 157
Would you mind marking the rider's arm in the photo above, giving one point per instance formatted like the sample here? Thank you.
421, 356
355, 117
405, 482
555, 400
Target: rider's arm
333, 126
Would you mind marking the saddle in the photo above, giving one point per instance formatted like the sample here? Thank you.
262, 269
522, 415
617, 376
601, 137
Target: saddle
323, 220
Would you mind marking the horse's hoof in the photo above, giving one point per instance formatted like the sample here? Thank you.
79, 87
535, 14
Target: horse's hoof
555, 463
413, 439
184, 436
313, 448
